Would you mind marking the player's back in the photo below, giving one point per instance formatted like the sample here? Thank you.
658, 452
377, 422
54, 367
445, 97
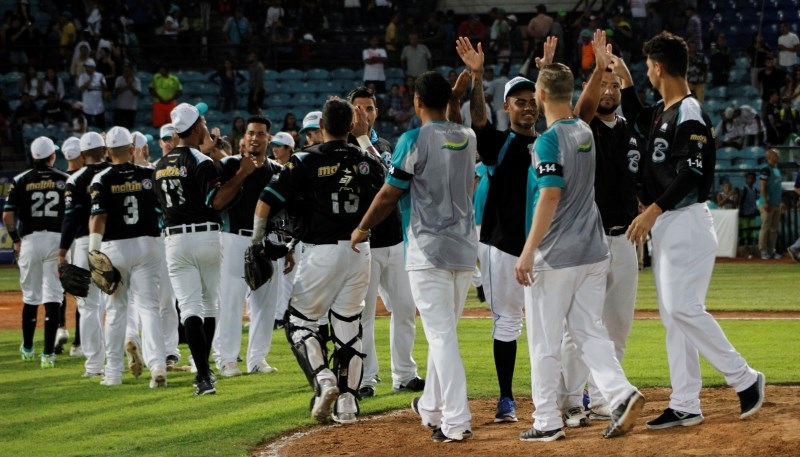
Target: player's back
37, 199
185, 180
125, 194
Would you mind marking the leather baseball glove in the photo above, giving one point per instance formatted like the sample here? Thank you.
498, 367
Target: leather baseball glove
104, 275
258, 267
274, 250
74, 279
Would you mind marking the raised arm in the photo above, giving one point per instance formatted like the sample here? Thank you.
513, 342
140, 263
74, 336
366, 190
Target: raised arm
586, 107
474, 59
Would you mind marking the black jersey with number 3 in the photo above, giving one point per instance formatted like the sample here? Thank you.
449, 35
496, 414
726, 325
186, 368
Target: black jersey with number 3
37, 199
124, 193
186, 181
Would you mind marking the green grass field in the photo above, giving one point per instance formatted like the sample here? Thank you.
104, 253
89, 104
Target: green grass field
55, 412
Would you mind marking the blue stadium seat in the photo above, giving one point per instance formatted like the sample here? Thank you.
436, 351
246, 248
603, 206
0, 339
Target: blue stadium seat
291, 86
727, 153
278, 100
306, 88
317, 74
190, 76
717, 93
304, 99
291, 74
272, 85
394, 73
329, 88
343, 74
270, 75
444, 70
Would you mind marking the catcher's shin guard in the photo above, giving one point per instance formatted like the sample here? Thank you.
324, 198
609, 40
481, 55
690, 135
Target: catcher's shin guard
307, 346
347, 356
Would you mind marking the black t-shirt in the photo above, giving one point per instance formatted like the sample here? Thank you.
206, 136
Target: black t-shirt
503, 224
186, 181
389, 231
615, 172
36, 197
77, 203
330, 186
238, 215
125, 194
772, 82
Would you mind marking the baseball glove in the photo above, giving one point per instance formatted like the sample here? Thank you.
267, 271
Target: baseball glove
274, 250
74, 279
257, 267
104, 275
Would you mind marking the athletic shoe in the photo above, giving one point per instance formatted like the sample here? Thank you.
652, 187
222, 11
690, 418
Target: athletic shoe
278, 324
415, 385
752, 398
777, 256
600, 413
263, 367
204, 387
415, 408
158, 377
506, 410
439, 436
49, 361
109, 381
672, 418
793, 254
346, 409
135, 361
366, 391
766, 256
535, 435
230, 370
75, 351
576, 417
193, 367
624, 416
172, 361
62, 335
88, 374
27, 354
328, 393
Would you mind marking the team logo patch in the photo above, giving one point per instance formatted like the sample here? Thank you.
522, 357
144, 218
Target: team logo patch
61, 184
363, 168
183, 171
147, 184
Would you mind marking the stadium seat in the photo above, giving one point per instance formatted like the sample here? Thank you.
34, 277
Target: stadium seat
317, 74
719, 93
270, 75
272, 85
727, 153
291, 74
343, 74
394, 73
444, 70
278, 100
306, 88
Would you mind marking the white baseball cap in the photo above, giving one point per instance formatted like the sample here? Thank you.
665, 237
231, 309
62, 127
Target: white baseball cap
140, 139
42, 148
283, 139
518, 83
118, 136
89, 63
185, 115
311, 121
167, 131
71, 148
91, 140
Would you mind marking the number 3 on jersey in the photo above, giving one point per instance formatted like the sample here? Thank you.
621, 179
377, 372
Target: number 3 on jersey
131, 204
173, 191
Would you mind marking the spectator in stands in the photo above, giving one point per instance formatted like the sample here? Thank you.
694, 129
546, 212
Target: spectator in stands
653, 23
79, 125
394, 102
166, 88
538, 29
404, 116
18, 35
30, 83
237, 32
448, 35
374, 57
172, 23
721, 61
275, 12
94, 20
758, 51
499, 31
54, 112
69, 35
83, 54
128, 89
772, 117
694, 28
794, 249
623, 32
237, 130
748, 210
27, 114
727, 197
788, 47
92, 85
794, 92
255, 84
282, 40
433, 35
789, 121
728, 132
770, 206
472, 28
416, 57
558, 30
391, 39
53, 83
586, 53
749, 120
106, 65
227, 78
697, 71
290, 126
771, 79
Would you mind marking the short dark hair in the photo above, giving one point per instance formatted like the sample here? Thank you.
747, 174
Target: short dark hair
361, 92
337, 115
258, 119
433, 90
670, 51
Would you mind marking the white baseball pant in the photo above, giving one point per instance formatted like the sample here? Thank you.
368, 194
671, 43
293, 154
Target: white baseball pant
38, 268
193, 261
166, 304
506, 297
92, 308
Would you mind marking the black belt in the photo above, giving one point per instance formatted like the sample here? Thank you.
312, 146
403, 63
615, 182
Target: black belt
616, 230
192, 228
245, 232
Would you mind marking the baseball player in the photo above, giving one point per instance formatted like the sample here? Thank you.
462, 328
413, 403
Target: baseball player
677, 172
433, 172
388, 275
185, 180
244, 177
32, 216
507, 157
282, 149
124, 226
141, 153
617, 162
75, 241
565, 284
167, 139
331, 186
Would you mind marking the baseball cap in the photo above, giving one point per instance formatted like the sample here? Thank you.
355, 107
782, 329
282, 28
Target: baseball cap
140, 139
167, 131
311, 121
185, 115
89, 63
512, 17
42, 148
283, 139
71, 148
518, 83
118, 136
91, 140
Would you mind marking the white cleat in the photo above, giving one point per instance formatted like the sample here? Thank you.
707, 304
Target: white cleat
230, 370
135, 361
158, 377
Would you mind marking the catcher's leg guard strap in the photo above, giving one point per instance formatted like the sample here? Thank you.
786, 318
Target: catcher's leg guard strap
306, 344
347, 356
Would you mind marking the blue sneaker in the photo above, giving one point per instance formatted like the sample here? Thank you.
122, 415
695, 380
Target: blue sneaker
506, 410
27, 354
48, 361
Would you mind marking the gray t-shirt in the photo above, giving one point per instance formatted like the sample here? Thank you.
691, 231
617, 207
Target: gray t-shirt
127, 99
416, 59
435, 165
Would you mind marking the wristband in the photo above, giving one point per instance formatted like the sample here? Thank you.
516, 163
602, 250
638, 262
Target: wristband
362, 231
95, 239
14, 236
364, 141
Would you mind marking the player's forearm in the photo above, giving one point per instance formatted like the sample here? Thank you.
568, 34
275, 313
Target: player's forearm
382, 205
586, 107
97, 228
260, 221
477, 107
542, 218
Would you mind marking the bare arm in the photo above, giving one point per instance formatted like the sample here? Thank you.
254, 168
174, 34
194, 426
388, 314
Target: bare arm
97, 223
382, 205
542, 218
586, 107
228, 191
474, 59
454, 105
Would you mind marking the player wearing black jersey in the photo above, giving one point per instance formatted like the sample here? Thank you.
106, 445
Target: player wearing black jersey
75, 242
185, 181
32, 216
124, 226
244, 177
677, 172
388, 274
331, 187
